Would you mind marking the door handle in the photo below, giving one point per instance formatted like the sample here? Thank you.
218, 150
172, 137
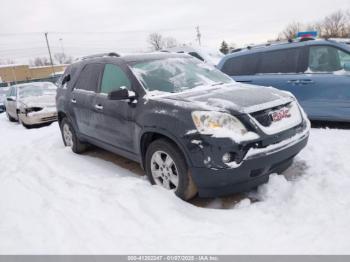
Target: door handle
99, 107
300, 81
294, 81
306, 81
74, 101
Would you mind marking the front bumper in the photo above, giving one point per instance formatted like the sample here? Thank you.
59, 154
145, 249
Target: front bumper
38, 118
253, 170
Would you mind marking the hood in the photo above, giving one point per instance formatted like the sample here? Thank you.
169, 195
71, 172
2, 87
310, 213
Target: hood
236, 97
39, 101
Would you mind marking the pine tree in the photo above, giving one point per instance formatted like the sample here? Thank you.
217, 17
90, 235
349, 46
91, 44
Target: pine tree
224, 47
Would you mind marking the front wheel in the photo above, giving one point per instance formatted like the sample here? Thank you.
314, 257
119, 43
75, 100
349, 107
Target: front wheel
70, 138
10, 118
166, 167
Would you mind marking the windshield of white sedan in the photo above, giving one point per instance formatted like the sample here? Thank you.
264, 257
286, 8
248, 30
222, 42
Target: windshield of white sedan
37, 90
175, 75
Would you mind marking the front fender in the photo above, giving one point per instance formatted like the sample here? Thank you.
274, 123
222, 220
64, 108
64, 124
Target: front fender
168, 126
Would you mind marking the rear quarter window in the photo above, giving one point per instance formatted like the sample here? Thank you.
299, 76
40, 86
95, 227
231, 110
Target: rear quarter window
241, 65
89, 77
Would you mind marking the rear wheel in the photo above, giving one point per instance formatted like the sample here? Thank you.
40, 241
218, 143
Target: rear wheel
70, 138
166, 167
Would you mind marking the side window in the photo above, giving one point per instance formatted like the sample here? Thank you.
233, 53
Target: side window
13, 91
89, 77
241, 65
196, 55
344, 58
324, 59
280, 61
113, 79
9, 92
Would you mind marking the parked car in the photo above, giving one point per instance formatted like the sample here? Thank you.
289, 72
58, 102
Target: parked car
207, 55
3, 91
32, 103
191, 127
317, 72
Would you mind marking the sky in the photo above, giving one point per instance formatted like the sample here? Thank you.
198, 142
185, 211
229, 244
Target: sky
87, 27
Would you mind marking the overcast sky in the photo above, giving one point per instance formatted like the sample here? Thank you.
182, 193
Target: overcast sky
87, 26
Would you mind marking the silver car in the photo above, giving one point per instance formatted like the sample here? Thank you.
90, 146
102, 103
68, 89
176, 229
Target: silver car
3, 91
32, 103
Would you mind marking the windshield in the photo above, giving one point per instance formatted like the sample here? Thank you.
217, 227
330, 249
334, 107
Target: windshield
175, 75
37, 90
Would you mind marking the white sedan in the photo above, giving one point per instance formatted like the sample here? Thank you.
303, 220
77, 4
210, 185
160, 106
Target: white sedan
32, 103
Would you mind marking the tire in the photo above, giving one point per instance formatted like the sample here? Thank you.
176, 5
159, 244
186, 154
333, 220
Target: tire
70, 138
165, 174
23, 124
26, 126
10, 118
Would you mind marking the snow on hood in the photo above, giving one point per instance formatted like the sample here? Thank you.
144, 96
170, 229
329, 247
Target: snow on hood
238, 97
39, 101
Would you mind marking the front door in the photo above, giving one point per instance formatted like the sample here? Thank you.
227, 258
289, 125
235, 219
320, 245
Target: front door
113, 122
326, 94
11, 103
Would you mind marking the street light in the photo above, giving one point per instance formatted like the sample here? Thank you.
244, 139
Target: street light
61, 41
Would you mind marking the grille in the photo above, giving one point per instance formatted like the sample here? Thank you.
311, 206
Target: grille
264, 117
51, 118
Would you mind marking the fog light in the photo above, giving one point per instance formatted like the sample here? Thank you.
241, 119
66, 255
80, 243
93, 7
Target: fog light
227, 158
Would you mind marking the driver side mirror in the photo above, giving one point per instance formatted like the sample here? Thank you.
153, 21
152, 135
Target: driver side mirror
121, 94
65, 79
347, 66
11, 99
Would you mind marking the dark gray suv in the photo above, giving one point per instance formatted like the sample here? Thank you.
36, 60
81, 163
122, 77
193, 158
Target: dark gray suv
191, 127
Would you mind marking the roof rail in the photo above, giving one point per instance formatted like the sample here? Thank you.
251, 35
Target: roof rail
99, 55
272, 43
249, 47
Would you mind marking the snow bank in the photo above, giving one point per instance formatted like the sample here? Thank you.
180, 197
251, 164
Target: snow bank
55, 202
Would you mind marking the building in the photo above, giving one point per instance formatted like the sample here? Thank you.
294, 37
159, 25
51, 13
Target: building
18, 73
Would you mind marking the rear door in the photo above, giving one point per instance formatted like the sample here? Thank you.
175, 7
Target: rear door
281, 69
113, 121
84, 96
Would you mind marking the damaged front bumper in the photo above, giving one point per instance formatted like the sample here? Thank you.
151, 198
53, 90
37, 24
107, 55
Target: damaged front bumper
253, 161
37, 118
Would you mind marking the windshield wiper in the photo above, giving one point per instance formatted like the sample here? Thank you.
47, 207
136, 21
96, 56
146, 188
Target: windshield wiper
218, 84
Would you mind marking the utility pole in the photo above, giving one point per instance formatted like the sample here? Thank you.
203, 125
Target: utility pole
198, 35
48, 48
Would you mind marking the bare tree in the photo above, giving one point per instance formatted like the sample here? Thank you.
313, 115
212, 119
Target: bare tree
170, 42
40, 61
7, 62
156, 41
62, 58
291, 31
335, 25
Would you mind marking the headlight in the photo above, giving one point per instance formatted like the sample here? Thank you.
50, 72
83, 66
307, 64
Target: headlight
210, 122
33, 109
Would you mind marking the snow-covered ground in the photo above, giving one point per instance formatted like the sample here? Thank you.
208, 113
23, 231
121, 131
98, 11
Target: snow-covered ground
54, 201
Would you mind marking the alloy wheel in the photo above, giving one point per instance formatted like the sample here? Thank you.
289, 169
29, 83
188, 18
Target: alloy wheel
67, 135
164, 170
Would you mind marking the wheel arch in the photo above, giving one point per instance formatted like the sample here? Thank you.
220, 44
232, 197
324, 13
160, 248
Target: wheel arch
148, 136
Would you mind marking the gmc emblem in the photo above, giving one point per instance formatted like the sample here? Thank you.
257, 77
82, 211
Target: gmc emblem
280, 114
